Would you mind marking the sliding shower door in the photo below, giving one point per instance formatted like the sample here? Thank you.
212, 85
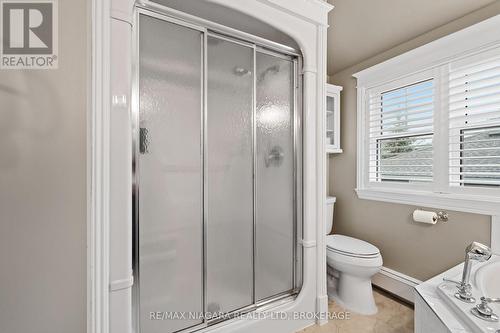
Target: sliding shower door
275, 192
216, 209
170, 174
230, 175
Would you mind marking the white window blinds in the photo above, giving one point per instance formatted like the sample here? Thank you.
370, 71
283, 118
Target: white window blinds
474, 124
428, 124
400, 134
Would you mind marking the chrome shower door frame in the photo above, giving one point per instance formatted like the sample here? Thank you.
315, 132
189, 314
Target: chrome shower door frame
259, 45
135, 102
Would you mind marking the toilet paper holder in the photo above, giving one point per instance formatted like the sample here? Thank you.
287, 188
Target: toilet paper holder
441, 216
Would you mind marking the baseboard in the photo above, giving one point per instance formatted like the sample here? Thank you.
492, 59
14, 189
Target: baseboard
396, 283
322, 308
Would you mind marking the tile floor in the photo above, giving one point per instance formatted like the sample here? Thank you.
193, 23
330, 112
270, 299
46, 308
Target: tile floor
392, 317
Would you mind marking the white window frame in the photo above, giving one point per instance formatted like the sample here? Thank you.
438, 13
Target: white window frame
399, 83
429, 61
469, 60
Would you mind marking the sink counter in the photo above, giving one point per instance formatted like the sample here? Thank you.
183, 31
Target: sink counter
437, 310
432, 314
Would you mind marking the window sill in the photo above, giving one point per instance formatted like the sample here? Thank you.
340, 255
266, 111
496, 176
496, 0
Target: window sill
477, 204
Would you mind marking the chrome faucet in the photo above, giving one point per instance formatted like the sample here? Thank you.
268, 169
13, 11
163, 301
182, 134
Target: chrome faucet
475, 251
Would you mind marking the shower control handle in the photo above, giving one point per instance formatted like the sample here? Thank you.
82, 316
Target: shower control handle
275, 156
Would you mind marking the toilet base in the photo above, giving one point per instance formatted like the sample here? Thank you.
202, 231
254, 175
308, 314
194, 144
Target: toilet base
354, 294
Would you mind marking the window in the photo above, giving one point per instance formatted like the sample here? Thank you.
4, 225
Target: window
401, 124
479, 157
474, 124
429, 124
401, 131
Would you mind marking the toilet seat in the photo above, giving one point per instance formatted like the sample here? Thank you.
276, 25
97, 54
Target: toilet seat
352, 247
340, 260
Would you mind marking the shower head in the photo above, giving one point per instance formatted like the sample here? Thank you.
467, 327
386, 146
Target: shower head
270, 70
478, 251
240, 71
273, 69
474, 252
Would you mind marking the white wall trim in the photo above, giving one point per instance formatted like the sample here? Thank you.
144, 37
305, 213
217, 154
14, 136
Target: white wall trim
321, 278
322, 309
121, 284
313, 11
307, 244
396, 283
477, 37
98, 172
477, 204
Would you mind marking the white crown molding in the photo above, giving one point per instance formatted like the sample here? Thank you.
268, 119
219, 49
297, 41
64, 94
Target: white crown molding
314, 11
477, 37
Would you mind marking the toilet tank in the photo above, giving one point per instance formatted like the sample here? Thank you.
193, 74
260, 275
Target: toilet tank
330, 203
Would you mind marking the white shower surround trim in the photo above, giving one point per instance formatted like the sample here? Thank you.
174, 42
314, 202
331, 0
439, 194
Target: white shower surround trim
109, 186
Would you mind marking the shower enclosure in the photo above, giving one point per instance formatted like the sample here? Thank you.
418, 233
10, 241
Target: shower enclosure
217, 173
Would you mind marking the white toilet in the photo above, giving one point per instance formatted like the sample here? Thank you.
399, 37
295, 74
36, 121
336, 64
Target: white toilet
351, 265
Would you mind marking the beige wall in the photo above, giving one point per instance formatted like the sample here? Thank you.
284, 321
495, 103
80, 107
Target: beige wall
43, 187
418, 250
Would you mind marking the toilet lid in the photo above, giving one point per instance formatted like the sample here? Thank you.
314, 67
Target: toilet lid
351, 246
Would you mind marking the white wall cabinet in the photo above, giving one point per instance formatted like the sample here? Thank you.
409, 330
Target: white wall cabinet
332, 114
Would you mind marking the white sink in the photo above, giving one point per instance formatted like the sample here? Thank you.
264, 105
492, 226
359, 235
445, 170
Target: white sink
485, 282
488, 278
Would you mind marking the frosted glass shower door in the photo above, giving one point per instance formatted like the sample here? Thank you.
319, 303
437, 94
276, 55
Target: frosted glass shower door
274, 176
215, 175
170, 173
229, 176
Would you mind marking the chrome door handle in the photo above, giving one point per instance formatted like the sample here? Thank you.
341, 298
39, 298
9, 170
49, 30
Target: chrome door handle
143, 140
